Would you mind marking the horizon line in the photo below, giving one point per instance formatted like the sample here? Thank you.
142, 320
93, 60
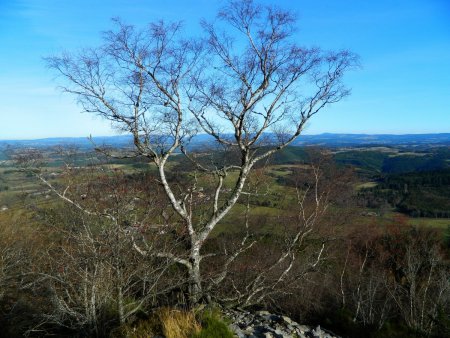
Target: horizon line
306, 134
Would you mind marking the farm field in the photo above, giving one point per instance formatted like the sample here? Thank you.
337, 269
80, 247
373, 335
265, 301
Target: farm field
277, 192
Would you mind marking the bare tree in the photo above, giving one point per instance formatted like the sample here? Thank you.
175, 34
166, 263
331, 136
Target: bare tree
13, 258
363, 279
248, 86
398, 272
420, 287
293, 251
92, 274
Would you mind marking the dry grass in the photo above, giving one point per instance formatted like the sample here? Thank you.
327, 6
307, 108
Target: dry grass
178, 323
169, 322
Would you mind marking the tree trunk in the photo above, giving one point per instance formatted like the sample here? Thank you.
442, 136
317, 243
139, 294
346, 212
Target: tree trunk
195, 288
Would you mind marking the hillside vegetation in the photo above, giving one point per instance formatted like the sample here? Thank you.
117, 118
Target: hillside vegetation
364, 239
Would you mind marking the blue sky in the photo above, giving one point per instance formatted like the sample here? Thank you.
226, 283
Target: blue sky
403, 86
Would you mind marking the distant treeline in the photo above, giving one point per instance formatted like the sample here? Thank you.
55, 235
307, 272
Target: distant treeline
420, 194
416, 183
373, 162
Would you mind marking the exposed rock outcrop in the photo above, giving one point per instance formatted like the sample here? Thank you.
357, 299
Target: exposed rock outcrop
263, 324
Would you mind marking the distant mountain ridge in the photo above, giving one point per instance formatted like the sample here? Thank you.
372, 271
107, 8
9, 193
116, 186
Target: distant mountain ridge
325, 139
331, 139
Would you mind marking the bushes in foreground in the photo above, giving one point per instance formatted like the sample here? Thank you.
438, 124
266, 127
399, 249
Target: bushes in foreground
177, 323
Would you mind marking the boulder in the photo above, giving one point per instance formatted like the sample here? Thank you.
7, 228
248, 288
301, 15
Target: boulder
264, 324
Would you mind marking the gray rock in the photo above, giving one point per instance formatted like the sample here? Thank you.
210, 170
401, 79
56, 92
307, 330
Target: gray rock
263, 324
263, 313
287, 319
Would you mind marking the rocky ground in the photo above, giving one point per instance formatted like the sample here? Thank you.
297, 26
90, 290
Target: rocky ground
263, 324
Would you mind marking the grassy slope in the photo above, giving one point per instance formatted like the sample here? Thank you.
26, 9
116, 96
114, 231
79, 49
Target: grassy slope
280, 197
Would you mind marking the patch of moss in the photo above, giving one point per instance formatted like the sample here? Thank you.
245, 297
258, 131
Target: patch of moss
213, 326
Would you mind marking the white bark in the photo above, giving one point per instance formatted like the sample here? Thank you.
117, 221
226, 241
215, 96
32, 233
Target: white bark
147, 82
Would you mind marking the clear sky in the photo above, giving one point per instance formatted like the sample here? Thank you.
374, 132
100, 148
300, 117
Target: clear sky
403, 87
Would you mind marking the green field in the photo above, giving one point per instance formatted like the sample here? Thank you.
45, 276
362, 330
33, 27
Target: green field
19, 188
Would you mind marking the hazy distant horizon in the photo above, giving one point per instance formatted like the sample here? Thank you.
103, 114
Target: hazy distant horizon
200, 134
